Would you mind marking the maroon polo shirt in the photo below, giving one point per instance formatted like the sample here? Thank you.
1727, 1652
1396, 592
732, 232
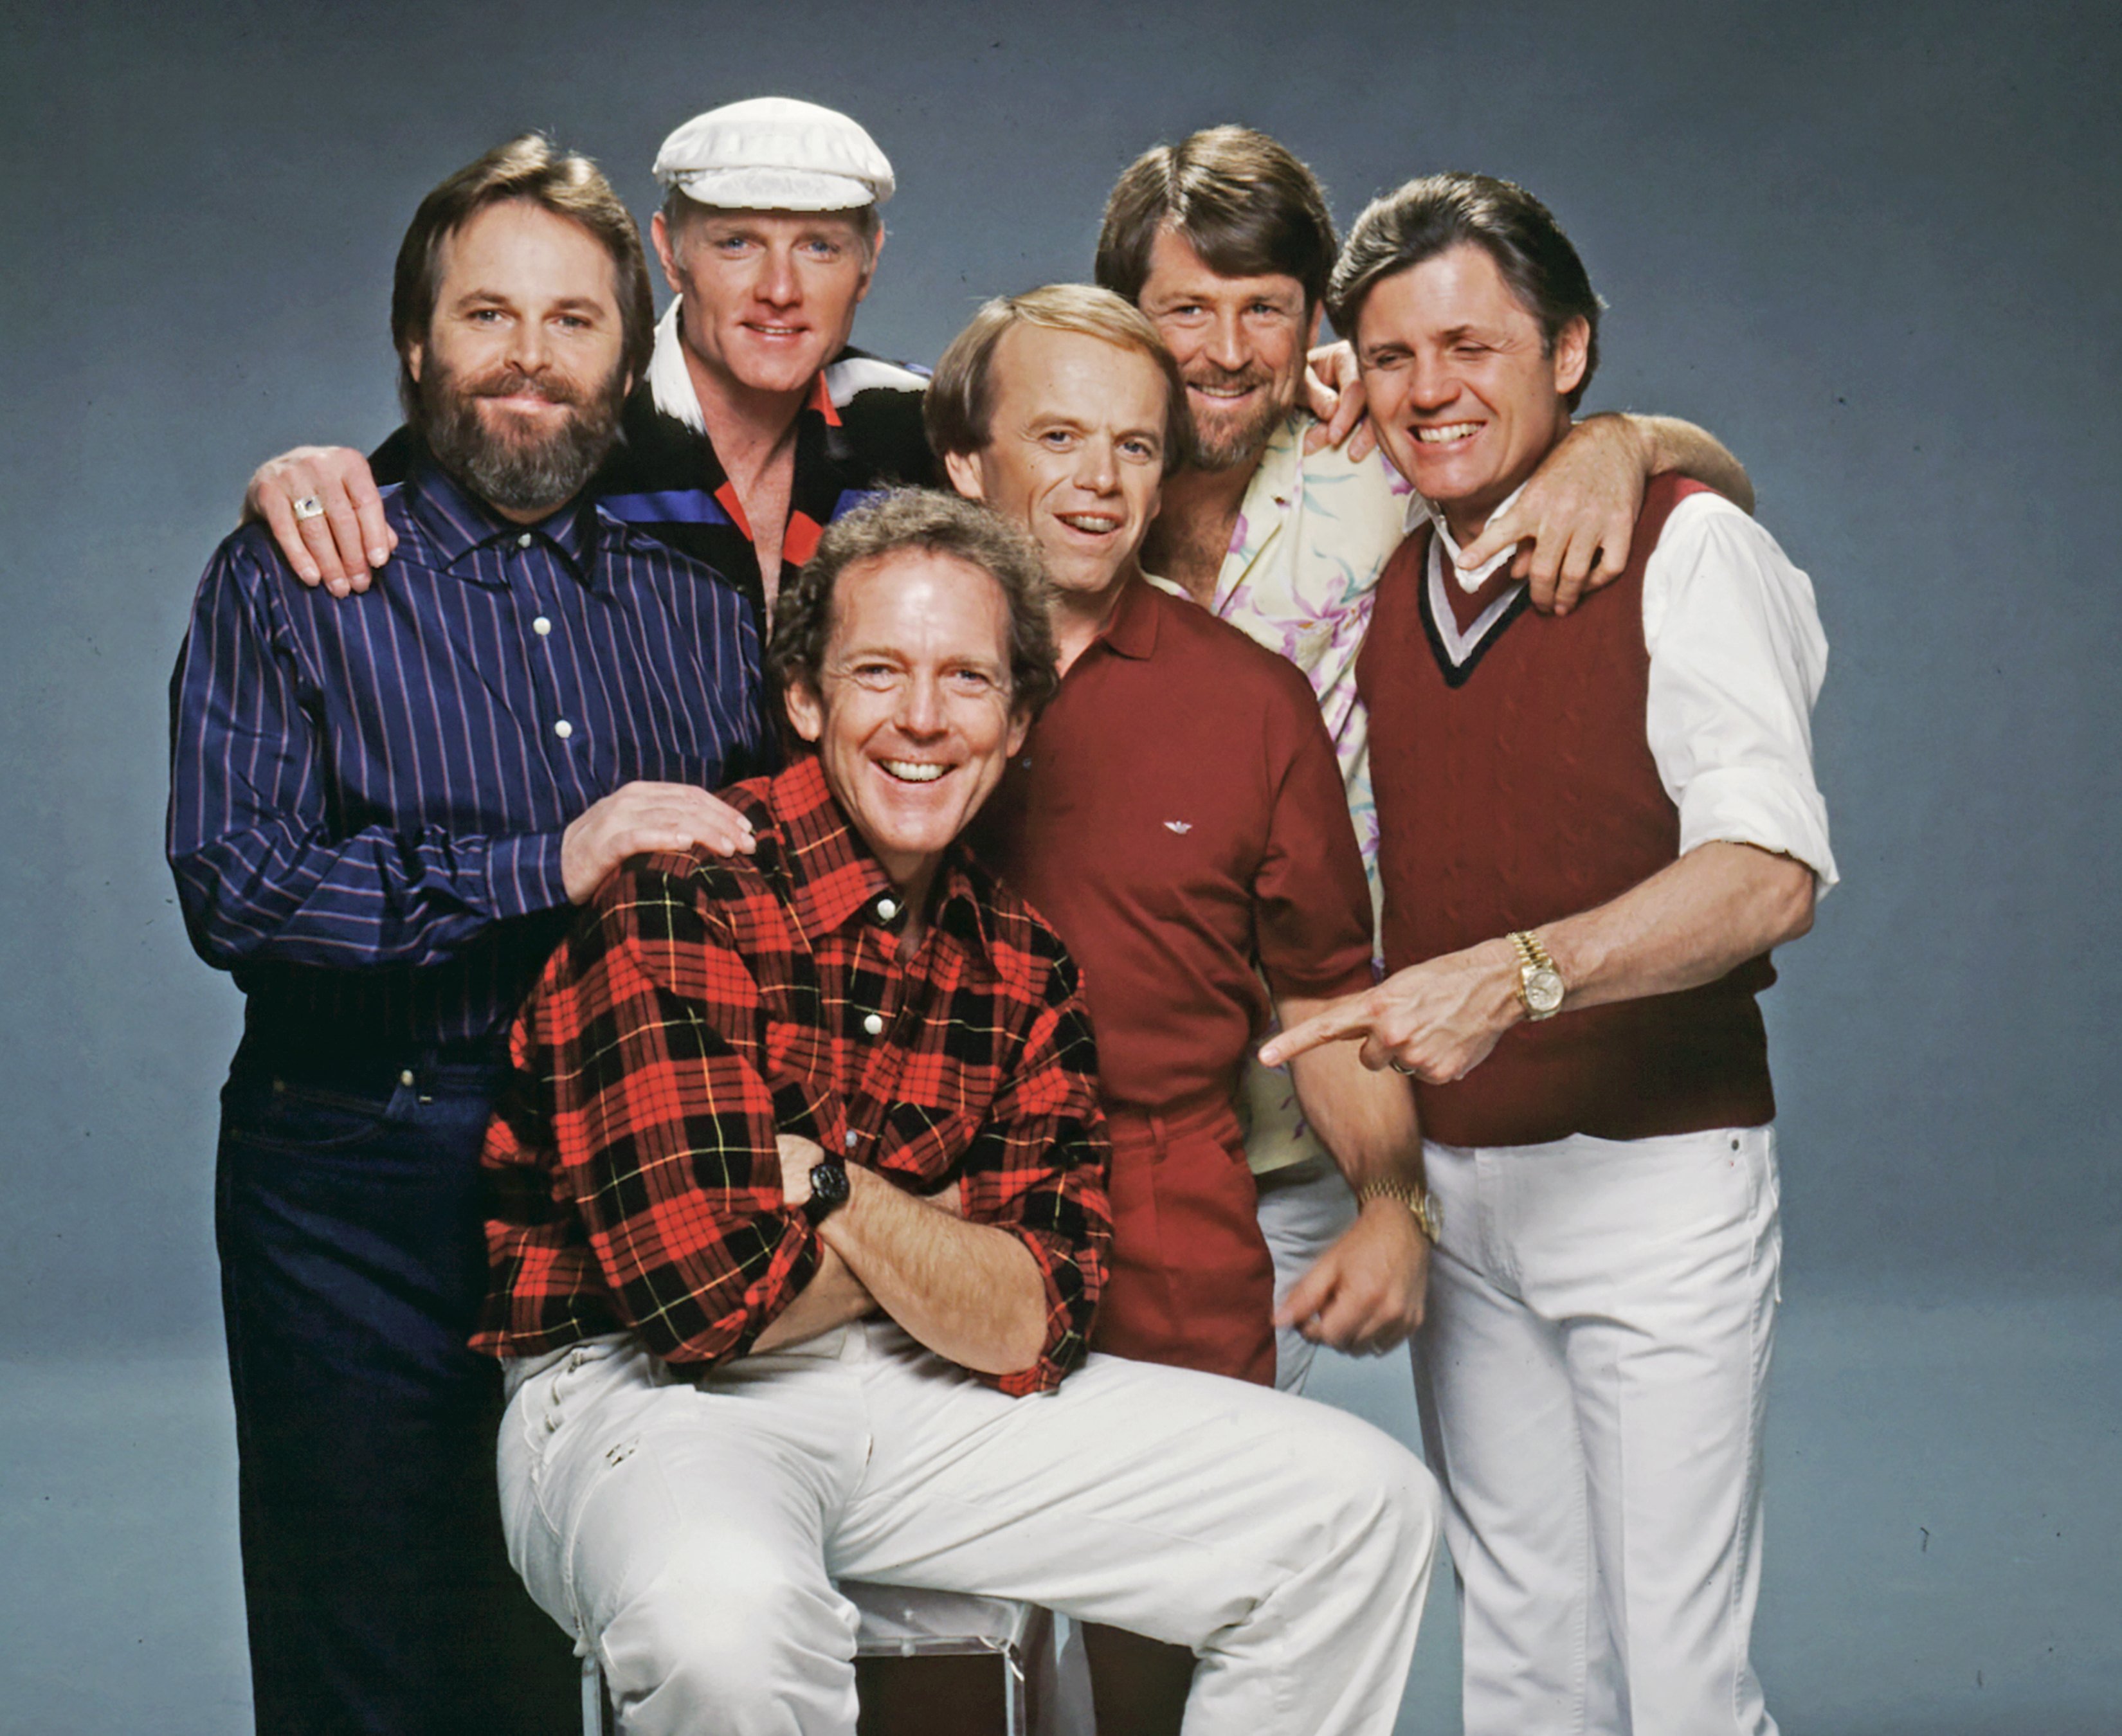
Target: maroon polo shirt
1178, 816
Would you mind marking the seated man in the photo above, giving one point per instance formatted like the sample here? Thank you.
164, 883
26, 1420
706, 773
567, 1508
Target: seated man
800, 1187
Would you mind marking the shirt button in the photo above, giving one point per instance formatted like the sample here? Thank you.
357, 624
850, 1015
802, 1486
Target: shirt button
887, 909
563, 728
874, 1025
542, 627
853, 1139
524, 540
405, 1078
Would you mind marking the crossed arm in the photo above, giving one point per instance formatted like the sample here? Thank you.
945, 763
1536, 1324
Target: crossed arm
971, 1293
671, 1189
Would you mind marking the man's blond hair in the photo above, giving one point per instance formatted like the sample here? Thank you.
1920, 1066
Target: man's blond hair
959, 407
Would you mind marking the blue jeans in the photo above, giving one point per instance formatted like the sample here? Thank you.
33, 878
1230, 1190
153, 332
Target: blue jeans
349, 1223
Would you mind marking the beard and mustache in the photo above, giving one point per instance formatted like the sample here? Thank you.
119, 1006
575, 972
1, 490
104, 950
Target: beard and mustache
515, 468
1224, 445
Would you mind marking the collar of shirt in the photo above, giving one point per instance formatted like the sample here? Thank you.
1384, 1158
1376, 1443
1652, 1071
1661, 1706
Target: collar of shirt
457, 525
1131, 628
1418, 509
832, 877
671, 381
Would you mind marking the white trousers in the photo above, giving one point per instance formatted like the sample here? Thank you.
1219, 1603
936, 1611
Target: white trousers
688, 1528
1304, 1207
1591, 1376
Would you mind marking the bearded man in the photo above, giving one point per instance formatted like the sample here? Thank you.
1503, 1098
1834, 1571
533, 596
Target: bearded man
381, 813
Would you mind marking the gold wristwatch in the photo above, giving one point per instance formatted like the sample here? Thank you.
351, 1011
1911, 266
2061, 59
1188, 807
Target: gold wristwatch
1540, 987
1414, 1197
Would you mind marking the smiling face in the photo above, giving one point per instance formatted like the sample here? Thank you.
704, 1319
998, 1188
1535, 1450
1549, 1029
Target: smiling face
1466, 398
1075, 451
1239, 344
770, 296
912, 713
519, 371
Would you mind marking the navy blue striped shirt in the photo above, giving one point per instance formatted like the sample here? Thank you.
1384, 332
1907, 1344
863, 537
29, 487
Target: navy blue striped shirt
367, 795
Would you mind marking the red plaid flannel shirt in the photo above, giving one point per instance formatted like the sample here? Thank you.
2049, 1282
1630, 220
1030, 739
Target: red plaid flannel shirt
702, 1007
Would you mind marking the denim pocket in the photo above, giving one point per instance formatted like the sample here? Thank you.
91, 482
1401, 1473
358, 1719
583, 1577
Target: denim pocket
288, 1115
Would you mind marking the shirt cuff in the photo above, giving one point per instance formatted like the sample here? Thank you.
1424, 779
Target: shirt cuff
523, 874
1749, 804
1067, 1324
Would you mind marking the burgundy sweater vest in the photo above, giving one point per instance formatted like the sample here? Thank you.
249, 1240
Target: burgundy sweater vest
1515, 788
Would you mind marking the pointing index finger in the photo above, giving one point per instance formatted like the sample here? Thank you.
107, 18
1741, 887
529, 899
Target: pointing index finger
1342, 1020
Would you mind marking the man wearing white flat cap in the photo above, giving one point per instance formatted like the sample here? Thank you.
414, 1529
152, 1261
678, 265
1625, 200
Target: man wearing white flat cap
758, 417
757, 425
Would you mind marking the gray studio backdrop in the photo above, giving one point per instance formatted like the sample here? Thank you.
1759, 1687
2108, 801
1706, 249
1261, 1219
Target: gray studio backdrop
1875, 248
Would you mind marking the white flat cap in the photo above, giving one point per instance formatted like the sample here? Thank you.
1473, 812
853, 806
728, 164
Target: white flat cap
773, 153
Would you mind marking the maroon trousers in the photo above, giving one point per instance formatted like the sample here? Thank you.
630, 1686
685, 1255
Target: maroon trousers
1190, 1281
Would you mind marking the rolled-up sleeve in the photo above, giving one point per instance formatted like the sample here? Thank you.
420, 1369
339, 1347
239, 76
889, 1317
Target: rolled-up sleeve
635, 1181
634, 1159
1037, 1170
1738, 656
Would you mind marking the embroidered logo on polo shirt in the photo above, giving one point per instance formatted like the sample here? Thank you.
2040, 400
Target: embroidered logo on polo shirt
1182, 827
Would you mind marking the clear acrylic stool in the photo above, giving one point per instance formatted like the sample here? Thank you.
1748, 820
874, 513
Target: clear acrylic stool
944, 1663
